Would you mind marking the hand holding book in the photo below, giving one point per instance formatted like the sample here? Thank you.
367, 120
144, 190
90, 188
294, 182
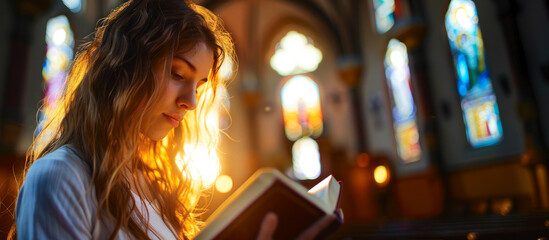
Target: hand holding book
297, 212
268, 227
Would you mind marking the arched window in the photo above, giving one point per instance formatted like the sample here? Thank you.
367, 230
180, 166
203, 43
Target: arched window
478, 101
59, 53
397, 72
301, 108
384, 12
295, 54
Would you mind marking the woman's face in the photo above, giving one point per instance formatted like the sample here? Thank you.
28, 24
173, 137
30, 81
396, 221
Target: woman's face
188, 71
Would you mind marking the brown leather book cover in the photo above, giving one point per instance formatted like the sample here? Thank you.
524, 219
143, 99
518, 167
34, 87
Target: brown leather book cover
267, 191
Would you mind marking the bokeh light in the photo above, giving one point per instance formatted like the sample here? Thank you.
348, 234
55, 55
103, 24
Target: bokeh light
306, 159
381, 175
224, 184
203, 164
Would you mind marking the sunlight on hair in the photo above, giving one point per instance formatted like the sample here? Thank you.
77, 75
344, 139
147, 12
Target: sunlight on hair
226, 71
202, 163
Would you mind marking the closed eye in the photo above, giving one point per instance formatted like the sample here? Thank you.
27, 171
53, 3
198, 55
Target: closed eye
177, 76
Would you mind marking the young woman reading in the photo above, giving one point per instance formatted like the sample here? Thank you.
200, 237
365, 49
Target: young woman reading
105, 163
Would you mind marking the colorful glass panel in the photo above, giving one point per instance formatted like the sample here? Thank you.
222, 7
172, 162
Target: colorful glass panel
301, 108
59, 53
306, 159
397, 72
74, 5
478, 101
384, 12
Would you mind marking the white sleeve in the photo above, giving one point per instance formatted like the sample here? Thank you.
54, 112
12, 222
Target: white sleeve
52, 203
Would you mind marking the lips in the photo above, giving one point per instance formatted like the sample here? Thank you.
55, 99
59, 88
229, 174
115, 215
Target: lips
173, 119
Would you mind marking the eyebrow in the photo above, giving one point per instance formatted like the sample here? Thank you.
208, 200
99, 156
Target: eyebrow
193, 68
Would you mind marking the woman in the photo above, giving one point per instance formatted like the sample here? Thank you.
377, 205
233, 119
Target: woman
105, 164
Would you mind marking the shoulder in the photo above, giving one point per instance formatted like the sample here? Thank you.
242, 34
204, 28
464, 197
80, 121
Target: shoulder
61, 168
55, 200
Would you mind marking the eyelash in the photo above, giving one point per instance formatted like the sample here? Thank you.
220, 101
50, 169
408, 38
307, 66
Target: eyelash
177, 76
180, 78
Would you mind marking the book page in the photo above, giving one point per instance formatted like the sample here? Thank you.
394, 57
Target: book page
328, 191
268, 190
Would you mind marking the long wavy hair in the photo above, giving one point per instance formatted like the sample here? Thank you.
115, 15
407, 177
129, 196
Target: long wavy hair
110, 86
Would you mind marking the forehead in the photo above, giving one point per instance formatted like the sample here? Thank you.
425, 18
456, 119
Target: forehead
200, 56
191, 50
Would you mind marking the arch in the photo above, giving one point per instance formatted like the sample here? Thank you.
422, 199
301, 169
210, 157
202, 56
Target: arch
308, 6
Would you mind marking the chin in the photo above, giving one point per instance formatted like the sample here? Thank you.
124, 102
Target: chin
157, 136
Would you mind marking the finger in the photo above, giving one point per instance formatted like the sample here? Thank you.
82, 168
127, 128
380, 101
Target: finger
268, 227
317, 227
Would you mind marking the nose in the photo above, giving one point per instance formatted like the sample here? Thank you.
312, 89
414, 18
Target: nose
187, 99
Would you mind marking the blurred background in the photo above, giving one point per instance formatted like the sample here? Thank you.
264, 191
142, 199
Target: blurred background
433, 113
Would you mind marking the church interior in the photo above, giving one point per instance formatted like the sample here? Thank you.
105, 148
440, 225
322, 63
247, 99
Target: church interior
433, 113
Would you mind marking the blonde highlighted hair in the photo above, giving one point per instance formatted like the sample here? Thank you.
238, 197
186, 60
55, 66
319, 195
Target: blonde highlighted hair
110, 86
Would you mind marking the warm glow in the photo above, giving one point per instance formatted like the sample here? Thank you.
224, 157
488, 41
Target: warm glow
363, 160
306, 159
202, 163
381, 175
224, 184
295, 54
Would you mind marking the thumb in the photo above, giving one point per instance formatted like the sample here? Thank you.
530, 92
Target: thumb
268, 226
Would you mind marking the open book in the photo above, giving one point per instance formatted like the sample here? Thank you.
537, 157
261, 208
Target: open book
268, 190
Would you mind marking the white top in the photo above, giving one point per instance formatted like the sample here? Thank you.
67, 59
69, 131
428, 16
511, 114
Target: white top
53, 203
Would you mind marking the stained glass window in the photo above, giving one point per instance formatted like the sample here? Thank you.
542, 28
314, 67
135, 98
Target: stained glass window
59, 52
402, 102
73, 5
301, 108
384, 12
306, 159
478, 101
295, 54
